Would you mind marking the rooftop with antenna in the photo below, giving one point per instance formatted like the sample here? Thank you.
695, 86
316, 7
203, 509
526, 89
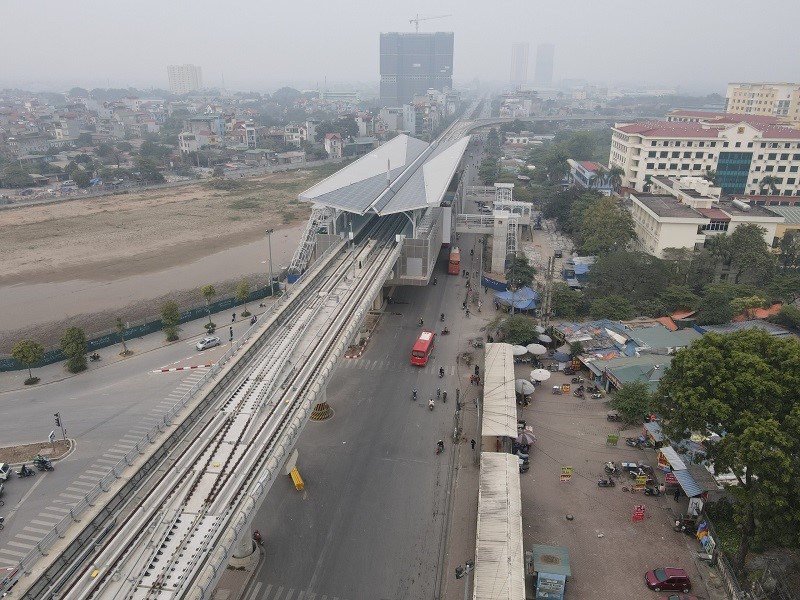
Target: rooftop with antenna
417, 19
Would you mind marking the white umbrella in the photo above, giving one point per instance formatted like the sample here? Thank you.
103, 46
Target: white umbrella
523, 386
518, 350
539, 329
540, 374
537, 349
545, 338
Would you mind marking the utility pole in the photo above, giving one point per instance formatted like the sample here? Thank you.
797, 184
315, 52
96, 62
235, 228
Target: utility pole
269, 242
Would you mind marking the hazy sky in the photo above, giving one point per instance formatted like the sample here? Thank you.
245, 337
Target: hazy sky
698, 45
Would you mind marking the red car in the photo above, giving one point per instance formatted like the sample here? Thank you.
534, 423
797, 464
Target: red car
668, 579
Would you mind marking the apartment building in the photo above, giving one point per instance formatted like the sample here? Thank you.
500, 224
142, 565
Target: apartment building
745, 154
686, 212
184, 78
780, 100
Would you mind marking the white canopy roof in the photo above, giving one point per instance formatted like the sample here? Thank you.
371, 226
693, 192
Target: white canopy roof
499, 396
499, 557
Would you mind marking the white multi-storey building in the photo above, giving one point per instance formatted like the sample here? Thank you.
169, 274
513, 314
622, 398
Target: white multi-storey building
686, 212
184, 78
747, 154
780, 100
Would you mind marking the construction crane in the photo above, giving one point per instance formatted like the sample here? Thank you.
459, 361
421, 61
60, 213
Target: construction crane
416, 20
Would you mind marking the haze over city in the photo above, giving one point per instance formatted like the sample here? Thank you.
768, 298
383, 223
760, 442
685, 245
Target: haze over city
693, 46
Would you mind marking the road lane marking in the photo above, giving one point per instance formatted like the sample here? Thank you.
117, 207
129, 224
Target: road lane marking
14, 510
13, 553
36, 530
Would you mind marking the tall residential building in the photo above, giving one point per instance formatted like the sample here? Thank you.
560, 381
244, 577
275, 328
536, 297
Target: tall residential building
543, 76
184, 78
780, 100
412, 63
747, 154
519, 63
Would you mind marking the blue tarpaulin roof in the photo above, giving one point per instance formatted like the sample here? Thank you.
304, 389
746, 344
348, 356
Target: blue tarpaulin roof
523, 298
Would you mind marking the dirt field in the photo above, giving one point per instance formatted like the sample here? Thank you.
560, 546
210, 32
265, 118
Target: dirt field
115, 237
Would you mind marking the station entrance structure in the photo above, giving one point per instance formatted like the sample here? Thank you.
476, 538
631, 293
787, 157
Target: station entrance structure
422, 181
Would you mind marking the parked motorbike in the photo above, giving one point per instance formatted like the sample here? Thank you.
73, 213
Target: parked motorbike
613, 416
477, 344
524, 466
577, 380
578, 394
606, 482
94, 357
632, 442
652, 491
596, 396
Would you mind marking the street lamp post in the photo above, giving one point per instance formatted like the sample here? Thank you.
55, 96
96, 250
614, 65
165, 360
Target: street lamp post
468, 567
269, 242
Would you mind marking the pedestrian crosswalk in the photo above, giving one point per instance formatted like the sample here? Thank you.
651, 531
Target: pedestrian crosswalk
362, 364
37, 528
261, 591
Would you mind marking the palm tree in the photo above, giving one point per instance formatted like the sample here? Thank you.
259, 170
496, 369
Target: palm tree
615, 175
770, 182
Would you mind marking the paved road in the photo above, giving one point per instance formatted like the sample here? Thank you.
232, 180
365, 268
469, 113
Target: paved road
370, 522
106, 410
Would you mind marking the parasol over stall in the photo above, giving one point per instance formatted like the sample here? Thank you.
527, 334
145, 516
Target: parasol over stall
518, 350
524, 387
540, 375
536, 349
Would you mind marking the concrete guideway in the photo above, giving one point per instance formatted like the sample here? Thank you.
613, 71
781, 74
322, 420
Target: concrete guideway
222, 448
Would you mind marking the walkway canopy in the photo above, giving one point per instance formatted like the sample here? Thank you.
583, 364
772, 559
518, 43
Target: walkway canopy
499, 557
524, 298
499, 396
401, 175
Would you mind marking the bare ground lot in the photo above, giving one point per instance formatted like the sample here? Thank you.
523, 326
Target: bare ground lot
114, 237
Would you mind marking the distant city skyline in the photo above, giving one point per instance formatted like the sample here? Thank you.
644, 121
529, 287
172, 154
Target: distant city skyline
519, 63
545, 59
262, 46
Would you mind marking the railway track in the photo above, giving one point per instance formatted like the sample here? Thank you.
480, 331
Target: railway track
180, 535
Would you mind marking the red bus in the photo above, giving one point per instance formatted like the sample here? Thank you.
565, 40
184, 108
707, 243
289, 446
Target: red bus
422, 348
454, 265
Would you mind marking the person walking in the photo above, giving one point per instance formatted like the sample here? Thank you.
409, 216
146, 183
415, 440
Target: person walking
677, 494
233, 318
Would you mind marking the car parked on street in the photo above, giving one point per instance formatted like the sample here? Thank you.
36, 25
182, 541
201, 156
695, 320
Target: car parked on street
668, 578
208, 342
678, 597
5, 471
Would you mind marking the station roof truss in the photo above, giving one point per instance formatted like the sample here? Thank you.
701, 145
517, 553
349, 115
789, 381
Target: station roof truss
401, 175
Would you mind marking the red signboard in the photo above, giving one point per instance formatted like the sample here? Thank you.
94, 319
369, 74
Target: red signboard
638, 512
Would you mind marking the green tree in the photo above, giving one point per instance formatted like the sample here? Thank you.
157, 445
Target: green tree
605, 227
488, 171
575, 349
28, 353
750, 256
208, 292
81, 177
170, 319
120, 326
242, 294
84, 139
149, 171
612, 307
789, 247
747, 386
218, 172
632, 401
784, 288
580, 146
14, 176
565, 302
615, 175
633, 275
124, 146
768, 181
788, 316
715, 306
679, 296
73, 345
746, 304
518, 329
555, 163
520, 272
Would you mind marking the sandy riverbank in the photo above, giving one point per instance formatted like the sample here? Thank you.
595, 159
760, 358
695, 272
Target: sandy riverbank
61, 261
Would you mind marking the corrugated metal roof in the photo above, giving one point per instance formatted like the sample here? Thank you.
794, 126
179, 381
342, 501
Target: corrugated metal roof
499, 557
672, 457
688, 483
655, 431
499, 397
